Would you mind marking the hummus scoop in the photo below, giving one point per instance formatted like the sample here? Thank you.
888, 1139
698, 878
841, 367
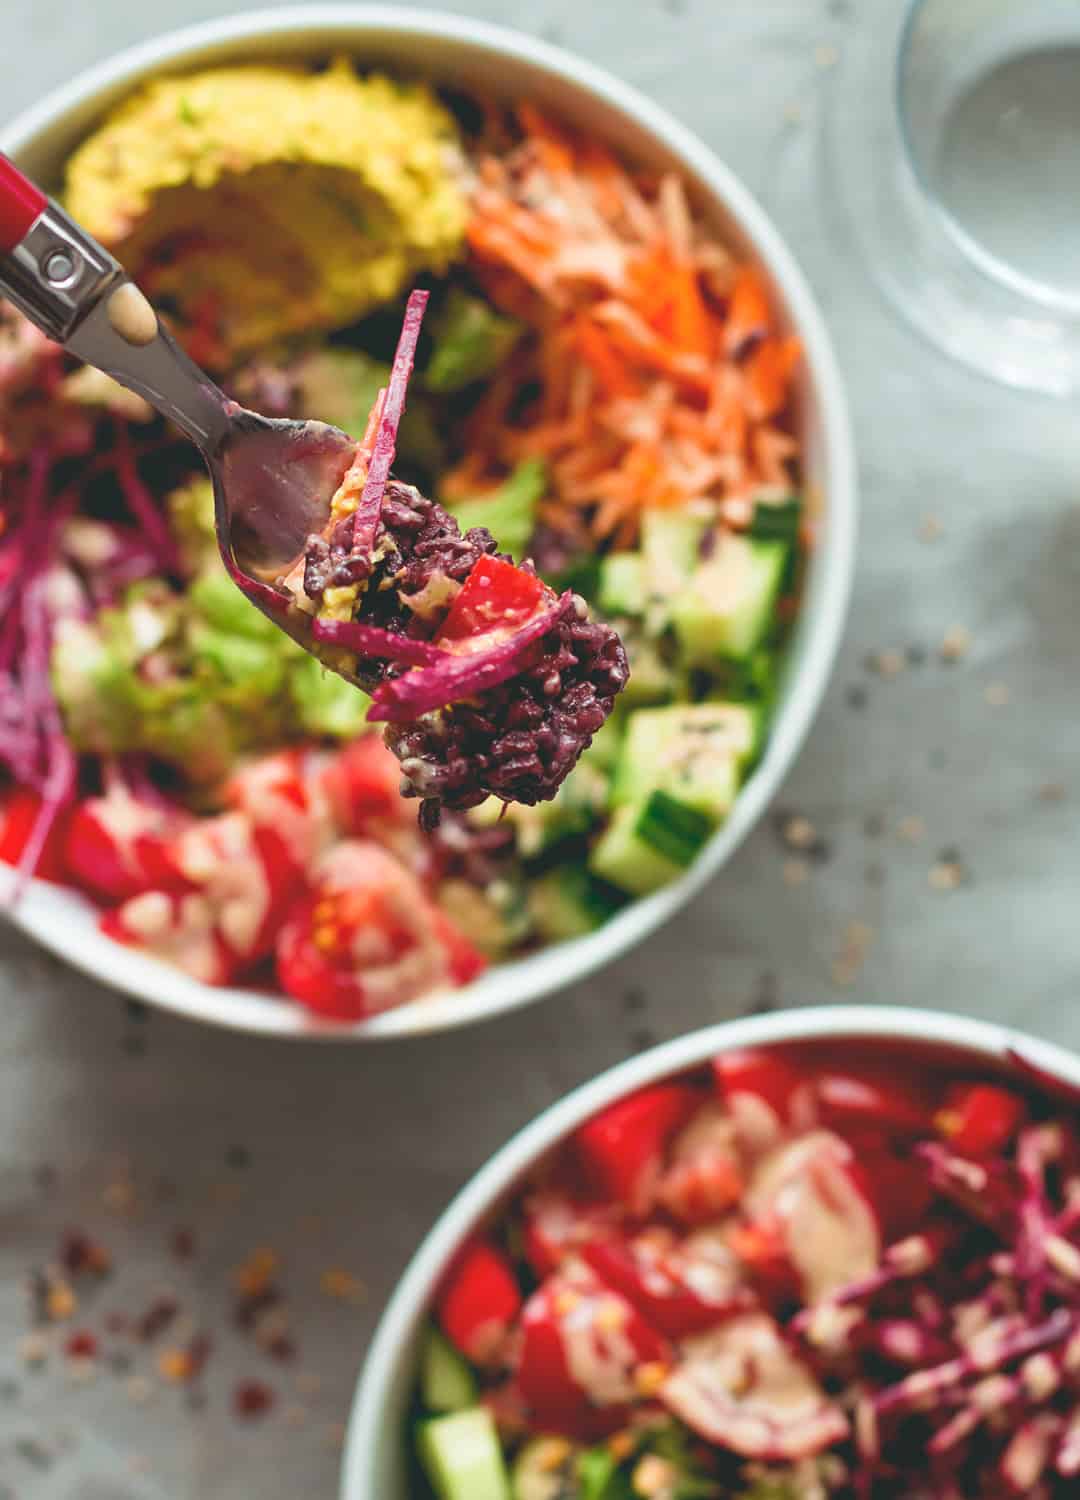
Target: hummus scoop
273, 479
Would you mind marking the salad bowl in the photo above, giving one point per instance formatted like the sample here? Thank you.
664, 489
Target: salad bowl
463, 53
893, 1045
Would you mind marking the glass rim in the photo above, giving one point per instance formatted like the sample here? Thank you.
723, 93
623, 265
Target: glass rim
982, 259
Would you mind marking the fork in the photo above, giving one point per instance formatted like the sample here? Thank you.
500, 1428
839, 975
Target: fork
273, 479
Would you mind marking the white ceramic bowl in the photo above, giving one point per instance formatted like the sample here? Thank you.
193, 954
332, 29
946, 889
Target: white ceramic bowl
375, 1452
471, 54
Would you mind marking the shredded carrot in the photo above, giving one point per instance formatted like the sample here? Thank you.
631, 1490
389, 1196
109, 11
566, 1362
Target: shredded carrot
655, 372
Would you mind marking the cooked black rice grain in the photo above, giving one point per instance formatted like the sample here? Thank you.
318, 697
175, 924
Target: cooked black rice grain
517, 741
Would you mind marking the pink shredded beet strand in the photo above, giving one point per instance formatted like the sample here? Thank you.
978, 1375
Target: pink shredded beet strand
457, 676
371, 640
366, 519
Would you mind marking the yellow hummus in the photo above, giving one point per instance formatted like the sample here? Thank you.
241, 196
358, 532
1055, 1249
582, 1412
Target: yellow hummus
256, 202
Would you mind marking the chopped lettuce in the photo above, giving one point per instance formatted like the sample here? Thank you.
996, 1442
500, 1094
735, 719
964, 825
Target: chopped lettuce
194, 679
471, 342
508, 512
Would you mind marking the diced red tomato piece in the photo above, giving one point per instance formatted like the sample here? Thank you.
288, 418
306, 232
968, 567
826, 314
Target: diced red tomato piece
762, 1246
364, 937
897, 1188
464, 958
767, 1077
363, 785
583, 1356
871, 1100
495, 596
19, 812
676, 1291
117, 845
705, 1176
284, 794
556, 1225
177, 927
622, 1148
249, 876
479, 1302
980, 1119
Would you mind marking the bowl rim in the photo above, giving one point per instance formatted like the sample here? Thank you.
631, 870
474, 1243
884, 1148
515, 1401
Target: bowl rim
987, 1040
41, 912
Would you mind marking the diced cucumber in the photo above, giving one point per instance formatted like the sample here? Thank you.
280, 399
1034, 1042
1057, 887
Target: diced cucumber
606, 744
727, 606
622, 584
650, 843
545, 1470
651, 679
462, 1456
670, 546
696, 752
565, 904
446, 1381
579, 803
777, 520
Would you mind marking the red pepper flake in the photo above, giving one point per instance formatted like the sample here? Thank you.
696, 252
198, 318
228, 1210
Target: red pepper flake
80, 1255
252, 1399
342, 1286
282, 1347
81, 1345
183, 1244
184, 1365
156, 1318
256, 1273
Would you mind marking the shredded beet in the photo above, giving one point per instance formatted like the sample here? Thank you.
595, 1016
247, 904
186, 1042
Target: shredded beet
392, 409
371, 640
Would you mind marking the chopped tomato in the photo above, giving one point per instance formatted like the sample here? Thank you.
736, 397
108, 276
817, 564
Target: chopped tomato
495, 596
677, 1290
871, 1099
765, 1093
284, 793
556, 1225
586, 1356
980, 1119
19, 812
465, 960
705, 1176
117, 845
479, 1301
761, 1245
177, 927
363, 786
622, 1148
896, 1186
364, 937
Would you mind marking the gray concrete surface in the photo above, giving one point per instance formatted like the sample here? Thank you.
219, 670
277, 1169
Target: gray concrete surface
351, 1153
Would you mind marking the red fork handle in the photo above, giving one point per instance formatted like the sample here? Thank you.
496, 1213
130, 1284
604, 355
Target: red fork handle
20, 204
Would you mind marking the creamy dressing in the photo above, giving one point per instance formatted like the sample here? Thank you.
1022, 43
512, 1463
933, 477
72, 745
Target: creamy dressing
741, 1387
599, 1353
222, 858
831, 1231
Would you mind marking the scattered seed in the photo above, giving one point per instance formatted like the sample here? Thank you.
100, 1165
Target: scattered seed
796, 871
888, 663
946, 875
120, 1196
997, 694
32, 1452
857, 697
1052, 791
874, 874
874, 826
930, 528
911, 829
334, 1433
793, 114
955, 643
238, 1157
34, 1349
342, 1286
308, 1383
294, 1415
139, 1390
182, 1244
825, 55
256, 1273
916, 656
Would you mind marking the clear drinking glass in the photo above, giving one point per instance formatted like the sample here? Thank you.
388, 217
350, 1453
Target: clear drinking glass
954, 144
